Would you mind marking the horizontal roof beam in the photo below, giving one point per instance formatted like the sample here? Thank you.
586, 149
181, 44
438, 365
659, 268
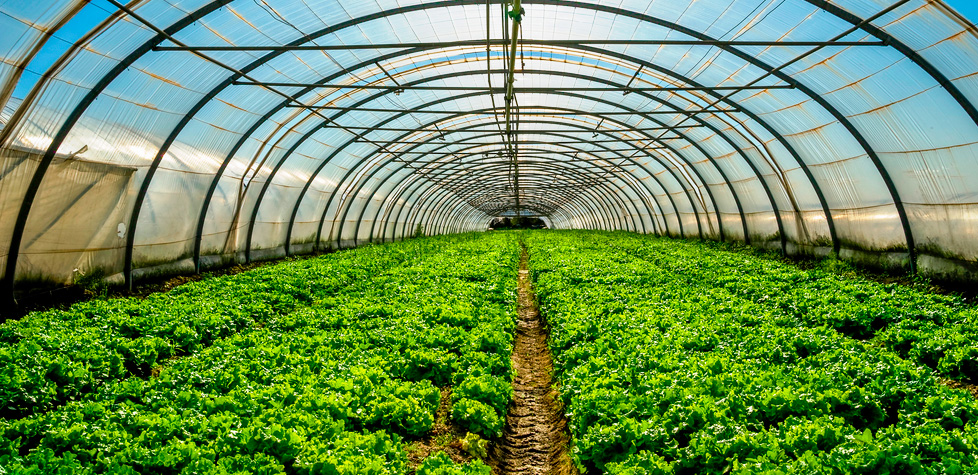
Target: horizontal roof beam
482, 131
525, 90
523, 111
499, 152
464, 43
533, 142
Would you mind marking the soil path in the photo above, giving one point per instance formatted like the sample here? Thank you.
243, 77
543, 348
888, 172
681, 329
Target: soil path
535, 440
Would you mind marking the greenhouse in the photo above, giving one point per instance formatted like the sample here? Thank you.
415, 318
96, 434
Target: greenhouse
488, 236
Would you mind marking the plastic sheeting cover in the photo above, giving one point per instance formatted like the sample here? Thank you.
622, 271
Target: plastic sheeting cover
125, 158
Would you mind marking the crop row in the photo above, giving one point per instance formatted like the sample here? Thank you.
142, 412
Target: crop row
662, 371
335, 386
935, 330
50, 358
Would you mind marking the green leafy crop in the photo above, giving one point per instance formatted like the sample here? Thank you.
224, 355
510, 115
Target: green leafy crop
324, 365
685, 357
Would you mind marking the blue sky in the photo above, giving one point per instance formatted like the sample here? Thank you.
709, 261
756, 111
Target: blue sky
968, 8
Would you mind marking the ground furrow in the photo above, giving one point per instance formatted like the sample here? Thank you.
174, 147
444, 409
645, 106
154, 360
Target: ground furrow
535, 439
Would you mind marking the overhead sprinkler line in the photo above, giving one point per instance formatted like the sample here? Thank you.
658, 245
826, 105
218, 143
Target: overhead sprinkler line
516, 15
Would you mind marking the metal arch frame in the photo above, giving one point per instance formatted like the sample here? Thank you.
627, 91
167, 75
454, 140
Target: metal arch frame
839, 117
32, 189
679, 157
560, 212
465, 152
679, 183
471, 192
584, 209
736, 149
315, 174
287, 154
637, 194
400, 190
600, 209
458, 215
581, 208
826, 210
429, 219
903, 49
761, 181
395, 196
381, 164
464, 187
842, 119
584, 213
582, 176
695, 171
482, 194
817, 189
34, 186
668, 168
774, 207
437, 101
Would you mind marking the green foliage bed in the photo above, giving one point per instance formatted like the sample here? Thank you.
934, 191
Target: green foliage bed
672, 357
678, 357
325, 365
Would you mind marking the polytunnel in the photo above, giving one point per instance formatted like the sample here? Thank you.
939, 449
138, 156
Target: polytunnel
154, 137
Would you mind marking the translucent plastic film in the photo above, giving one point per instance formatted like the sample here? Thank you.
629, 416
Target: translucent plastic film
178, 135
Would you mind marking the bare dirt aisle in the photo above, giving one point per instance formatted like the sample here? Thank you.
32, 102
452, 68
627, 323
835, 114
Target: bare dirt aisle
535, 439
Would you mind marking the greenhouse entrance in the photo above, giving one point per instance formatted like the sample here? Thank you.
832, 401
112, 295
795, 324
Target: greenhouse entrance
514, 222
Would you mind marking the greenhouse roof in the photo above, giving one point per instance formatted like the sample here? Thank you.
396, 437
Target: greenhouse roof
191, 133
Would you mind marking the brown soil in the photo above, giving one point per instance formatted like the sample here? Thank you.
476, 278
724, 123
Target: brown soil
444, 436
535, 439
973, 389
